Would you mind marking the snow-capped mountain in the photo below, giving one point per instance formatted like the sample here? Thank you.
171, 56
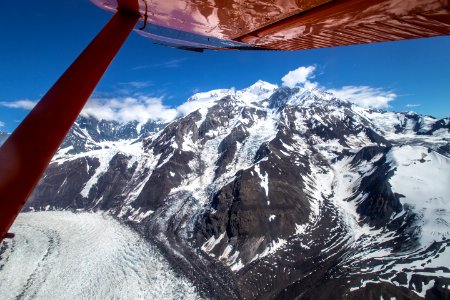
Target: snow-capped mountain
273, 192
89, 133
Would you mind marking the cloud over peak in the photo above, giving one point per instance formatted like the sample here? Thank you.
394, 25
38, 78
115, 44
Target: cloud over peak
141, 109
365, 96
300, 77
128, 106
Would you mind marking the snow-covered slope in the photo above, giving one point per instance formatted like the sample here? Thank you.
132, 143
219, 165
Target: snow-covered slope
273, 192
423, 178
62, 255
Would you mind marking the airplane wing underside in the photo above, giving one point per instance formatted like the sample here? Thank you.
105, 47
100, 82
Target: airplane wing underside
287, 24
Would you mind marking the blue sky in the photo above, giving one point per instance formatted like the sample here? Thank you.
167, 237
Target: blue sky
40, 42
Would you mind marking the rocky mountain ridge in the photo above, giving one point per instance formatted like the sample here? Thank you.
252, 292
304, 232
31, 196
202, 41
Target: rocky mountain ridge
273, 192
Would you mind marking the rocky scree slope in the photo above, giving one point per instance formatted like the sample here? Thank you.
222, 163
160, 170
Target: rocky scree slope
273, 193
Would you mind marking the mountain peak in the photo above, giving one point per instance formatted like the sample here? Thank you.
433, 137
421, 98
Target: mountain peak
305, 97
259, 91
261, 84
210, 95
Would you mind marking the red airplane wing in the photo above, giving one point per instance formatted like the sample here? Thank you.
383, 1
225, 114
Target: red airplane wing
291, 24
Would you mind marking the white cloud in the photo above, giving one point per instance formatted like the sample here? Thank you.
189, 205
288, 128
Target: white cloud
194, 104
300, 77
310, 85
143, 108
21, 104
365, 96
122, 109
169, 64
137, 84
191, 106
129, 109
2, 124
412, 105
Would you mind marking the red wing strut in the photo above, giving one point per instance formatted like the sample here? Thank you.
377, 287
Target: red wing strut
28, 151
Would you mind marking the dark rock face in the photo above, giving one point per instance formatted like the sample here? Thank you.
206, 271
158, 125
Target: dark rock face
444, 150
268, 193
380, 202
62, 184
113, 194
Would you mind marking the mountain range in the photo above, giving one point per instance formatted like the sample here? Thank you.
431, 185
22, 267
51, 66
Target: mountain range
273, 193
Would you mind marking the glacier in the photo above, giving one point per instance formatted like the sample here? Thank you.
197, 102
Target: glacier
65, 255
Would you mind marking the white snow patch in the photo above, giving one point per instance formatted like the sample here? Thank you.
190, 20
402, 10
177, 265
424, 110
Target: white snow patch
63, 151
227, 258
273, 247
209, 245
188, 145
137, 216
166, 160
237, 266
264, 179
300, 229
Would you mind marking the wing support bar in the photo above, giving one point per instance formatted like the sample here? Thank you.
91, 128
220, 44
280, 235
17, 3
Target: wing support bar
26, 154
